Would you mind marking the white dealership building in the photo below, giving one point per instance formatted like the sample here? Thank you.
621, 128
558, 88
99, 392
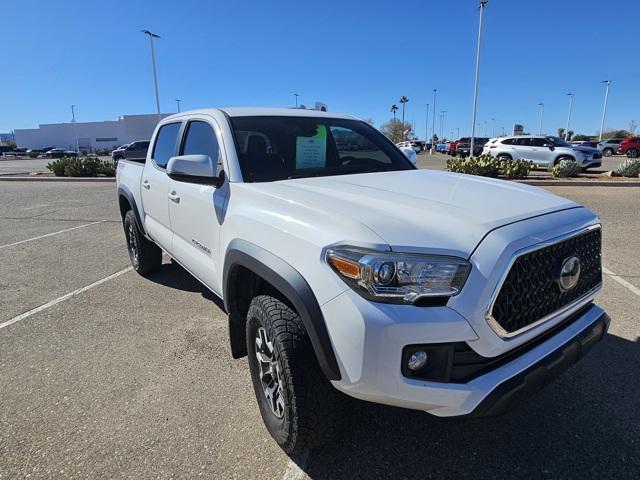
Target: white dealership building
91, 135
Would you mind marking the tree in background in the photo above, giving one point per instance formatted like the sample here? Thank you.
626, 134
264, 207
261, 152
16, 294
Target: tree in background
622, 133
581, 138
394, 109
394, 130
632, 126
561, 132
403, 101
569, 135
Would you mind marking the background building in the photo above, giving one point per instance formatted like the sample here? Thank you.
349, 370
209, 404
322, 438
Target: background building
91, 135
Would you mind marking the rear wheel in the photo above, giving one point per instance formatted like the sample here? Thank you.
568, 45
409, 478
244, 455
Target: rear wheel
298, 405
607, 152
504, 156
564, 157
145, 256
633, 153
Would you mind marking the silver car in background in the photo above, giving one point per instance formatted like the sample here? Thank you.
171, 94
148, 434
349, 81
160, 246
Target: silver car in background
542, 150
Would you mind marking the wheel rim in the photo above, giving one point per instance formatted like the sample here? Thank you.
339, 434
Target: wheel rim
133, 244
270, 372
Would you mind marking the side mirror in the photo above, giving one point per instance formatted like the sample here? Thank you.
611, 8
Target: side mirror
410, 153
194, 169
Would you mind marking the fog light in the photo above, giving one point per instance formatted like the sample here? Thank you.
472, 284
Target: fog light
417, 360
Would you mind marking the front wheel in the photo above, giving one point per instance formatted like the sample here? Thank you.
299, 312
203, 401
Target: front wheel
298, 405
633, 153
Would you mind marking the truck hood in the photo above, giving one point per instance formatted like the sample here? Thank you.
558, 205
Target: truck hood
420, 210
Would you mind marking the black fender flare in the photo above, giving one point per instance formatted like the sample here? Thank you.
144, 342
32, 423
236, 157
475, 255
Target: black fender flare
292, 285
123, 191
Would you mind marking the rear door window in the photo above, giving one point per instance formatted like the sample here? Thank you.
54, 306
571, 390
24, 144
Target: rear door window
165, 146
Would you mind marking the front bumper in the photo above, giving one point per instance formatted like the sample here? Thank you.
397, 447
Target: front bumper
368, 339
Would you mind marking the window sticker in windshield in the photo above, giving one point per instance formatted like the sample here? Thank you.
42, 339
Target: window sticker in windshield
311, 152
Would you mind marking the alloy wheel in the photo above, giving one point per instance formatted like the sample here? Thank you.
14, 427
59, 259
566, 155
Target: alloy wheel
133, 245
270, 372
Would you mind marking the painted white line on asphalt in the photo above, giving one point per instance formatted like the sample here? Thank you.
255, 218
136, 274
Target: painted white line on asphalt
294, 470
63, 298
629, 286
50, 234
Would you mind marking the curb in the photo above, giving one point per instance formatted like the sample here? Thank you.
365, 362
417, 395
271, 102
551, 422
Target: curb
57, 179
579, 183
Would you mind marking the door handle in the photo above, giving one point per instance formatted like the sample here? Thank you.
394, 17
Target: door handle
174, 197
146, 184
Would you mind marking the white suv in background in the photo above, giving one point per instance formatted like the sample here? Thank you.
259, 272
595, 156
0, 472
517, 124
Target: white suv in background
542, 150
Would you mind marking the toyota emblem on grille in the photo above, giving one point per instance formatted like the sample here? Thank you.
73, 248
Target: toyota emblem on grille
569, 273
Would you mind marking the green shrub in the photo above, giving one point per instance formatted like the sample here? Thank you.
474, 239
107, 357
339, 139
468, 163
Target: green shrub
58, 166
565, 168
628, 168
484, 165
107, 168
516, 168
82, 167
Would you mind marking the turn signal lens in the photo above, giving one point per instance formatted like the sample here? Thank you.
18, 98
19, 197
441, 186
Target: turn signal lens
345, 267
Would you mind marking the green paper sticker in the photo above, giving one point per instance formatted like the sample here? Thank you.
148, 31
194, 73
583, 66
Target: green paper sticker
311, 152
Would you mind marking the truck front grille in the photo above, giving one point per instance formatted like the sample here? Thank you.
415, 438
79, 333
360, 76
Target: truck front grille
531, 290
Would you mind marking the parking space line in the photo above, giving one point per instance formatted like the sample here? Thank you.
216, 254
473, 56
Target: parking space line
629, 286
49, 234
67, 296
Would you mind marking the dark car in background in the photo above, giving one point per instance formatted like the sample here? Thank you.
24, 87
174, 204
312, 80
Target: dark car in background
59, 153
464, 146
134, 151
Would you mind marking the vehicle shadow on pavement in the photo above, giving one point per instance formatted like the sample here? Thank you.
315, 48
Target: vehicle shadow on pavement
173, 275
584, 425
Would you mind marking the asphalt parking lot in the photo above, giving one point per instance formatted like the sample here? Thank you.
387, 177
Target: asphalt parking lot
117, 376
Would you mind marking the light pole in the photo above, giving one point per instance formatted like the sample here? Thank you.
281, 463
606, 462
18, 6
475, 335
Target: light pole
296, 95
566, 132
486, 133
458, 129
178, 103
442, 112
541, 105
604, 110
75, 128
493, 127
153, 62
426, 126
482, 6
502, 131
433, 122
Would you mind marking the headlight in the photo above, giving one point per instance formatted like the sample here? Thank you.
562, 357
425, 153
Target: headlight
398, 277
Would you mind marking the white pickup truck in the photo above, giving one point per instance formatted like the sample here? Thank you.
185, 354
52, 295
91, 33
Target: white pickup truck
346, 270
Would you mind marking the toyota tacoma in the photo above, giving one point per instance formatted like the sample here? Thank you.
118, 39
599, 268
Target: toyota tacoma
347, 272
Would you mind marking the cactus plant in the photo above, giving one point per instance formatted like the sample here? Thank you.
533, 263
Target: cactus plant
565, 168
518, 168
629, 167
484, 165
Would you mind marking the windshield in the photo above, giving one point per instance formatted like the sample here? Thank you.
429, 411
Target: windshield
279, 148
558, 142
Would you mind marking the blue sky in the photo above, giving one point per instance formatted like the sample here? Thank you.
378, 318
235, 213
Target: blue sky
359, 57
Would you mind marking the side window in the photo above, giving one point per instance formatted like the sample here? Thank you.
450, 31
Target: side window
200, 139
165, 145
522, 142
507, 141
538, 142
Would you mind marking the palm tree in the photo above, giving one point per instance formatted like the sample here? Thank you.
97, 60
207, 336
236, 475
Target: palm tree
394, 109
403, 100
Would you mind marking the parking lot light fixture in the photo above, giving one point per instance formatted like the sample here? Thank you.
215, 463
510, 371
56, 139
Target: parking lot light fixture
296, 95
566, 131
153, 63
75, 128
493, 127
481, 7
178, 103
541, 105
607, 84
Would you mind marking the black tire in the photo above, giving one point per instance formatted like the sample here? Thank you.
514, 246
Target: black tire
146, 256
633, 153
563, 157
607, 152
304, 410
504, 156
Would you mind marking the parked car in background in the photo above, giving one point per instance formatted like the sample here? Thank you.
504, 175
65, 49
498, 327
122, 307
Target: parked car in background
609, 146
630, 147
415, 144
60, 152
543, 151
451, 147
134, 151
585, 143
464, 146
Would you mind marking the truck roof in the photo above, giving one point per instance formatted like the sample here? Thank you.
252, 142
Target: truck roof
266, 112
